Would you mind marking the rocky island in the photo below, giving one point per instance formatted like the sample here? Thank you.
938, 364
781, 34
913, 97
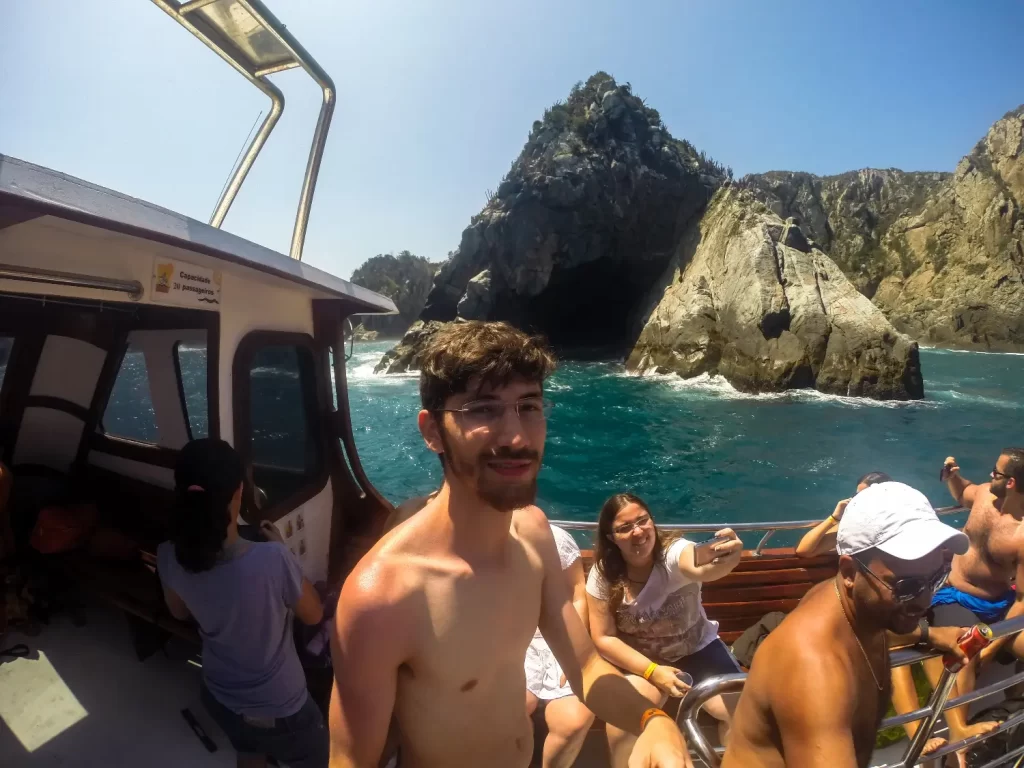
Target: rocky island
615, 239
405, 278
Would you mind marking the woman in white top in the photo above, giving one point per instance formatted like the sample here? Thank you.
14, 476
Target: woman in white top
567, 718
646, 617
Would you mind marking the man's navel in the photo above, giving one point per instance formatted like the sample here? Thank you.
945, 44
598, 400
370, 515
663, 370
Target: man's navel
468, 686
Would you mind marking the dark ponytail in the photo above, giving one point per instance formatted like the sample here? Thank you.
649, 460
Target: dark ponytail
207, 475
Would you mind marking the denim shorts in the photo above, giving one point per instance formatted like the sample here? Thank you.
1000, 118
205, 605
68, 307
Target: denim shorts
711, 660
298, 741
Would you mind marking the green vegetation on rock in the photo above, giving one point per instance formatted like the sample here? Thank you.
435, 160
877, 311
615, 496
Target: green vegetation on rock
405, 278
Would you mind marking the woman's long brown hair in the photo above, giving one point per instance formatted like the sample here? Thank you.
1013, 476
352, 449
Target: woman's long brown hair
608, 557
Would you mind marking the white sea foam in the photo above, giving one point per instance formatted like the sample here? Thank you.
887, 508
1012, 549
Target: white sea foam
363, 371
961, 397
945, 350
717, 387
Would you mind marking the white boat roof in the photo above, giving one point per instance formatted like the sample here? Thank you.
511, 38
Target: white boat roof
37, 191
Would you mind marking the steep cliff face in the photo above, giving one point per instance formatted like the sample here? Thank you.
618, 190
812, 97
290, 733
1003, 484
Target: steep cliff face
848, 215
752, 300
585, 220
598, 238
941, 254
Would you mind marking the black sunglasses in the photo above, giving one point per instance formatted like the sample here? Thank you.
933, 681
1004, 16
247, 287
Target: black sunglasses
996, 474
912, 587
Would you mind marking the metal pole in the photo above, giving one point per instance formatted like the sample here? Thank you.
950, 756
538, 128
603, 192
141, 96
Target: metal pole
778, 525
694, 699
935, 704
251, 153
272, 92
316, 152
133, 288
763, 542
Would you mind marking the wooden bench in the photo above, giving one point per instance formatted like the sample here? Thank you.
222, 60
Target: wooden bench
776, 581
132, 586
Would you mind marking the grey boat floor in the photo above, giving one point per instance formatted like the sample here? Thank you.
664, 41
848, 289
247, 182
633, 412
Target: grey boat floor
84, 699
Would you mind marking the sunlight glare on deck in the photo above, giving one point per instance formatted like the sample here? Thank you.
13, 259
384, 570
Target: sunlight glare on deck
34, 701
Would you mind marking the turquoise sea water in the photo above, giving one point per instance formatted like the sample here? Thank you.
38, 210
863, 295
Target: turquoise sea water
699, 451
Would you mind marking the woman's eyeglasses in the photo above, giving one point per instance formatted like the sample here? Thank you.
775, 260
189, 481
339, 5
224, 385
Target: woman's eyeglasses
912, 587
627, 528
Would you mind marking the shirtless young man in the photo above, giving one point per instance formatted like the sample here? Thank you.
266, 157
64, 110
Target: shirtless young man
433, 623
819, 684
980, 587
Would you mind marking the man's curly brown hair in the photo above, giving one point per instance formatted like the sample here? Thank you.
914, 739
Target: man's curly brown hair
479, 354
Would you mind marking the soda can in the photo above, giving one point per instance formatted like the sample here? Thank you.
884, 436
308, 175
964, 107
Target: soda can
971, 643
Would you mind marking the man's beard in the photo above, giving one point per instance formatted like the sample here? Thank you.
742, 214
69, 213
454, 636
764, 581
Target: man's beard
998, 488
504, 497
900, 623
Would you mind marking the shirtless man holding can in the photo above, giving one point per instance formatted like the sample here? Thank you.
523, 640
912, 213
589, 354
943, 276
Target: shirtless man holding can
980, 587
433, 623
819, 684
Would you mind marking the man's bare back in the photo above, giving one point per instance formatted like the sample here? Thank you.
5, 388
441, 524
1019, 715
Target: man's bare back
809, 665
990, 565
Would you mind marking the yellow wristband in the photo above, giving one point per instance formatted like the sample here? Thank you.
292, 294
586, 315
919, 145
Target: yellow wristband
650, 670
648, 715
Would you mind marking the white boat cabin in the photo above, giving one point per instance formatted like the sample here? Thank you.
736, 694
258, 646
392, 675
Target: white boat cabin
127, 330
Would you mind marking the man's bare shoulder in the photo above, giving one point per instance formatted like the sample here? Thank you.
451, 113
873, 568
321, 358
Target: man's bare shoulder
801, 655
388, 575
981, 496
531, 521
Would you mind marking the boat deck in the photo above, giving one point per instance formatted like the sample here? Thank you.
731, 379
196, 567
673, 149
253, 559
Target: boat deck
83, 699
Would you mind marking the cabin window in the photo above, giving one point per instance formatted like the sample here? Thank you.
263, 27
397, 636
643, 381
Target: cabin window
129, 412
191, 361
285, 448
6, 343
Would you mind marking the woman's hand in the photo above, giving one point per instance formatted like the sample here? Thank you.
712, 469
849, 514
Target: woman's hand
665, 679
731, 547
270, 532
837, 514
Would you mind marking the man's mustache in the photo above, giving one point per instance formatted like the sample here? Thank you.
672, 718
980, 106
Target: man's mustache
507, 454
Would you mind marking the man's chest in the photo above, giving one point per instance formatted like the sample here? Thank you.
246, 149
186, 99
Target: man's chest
479, 622
871, 707
993, 534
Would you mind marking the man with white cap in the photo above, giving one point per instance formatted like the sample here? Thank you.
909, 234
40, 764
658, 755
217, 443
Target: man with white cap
819, 684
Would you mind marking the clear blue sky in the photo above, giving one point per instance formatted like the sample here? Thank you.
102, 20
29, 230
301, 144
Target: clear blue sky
436, 98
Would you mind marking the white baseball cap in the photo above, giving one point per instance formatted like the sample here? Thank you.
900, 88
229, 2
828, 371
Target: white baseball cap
899, 521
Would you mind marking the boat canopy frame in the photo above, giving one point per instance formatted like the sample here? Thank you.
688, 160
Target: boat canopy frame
246, 35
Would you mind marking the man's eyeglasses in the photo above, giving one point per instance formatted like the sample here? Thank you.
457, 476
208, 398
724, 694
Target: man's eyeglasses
627, 528
487, 413
912, 587
996, 474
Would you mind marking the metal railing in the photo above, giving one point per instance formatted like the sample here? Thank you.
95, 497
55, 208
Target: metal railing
770, 528
939, 702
